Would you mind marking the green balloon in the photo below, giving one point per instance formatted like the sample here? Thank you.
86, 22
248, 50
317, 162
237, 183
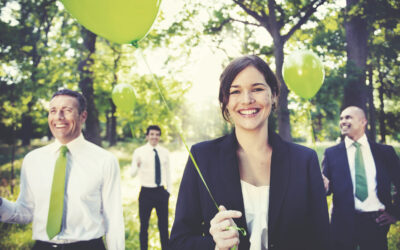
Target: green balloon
123, 96
303, 73
120, 21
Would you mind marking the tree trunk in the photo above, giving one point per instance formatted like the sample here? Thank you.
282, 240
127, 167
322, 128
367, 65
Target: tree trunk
371, 106
283, 111
357, 51
112, 125
382, 116
12, 182
26, 129
92, 130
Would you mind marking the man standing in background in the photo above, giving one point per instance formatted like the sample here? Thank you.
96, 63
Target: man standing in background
359, 174
152, 162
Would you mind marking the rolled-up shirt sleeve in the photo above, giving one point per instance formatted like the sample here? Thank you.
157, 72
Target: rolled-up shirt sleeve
112, 206
21, 211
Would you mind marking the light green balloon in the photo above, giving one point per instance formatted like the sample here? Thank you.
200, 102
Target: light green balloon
120, 21
123, 96
303, 73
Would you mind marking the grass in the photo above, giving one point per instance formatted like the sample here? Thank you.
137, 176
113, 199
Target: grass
19, 237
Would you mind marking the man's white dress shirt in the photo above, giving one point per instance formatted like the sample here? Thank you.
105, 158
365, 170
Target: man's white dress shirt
92, 201
372, 202
144, 160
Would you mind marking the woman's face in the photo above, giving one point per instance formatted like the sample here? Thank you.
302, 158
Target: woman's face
250, 100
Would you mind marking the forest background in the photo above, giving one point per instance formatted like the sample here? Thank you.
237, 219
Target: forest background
43, 49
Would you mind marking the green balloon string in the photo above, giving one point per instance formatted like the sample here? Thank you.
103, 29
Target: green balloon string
241, 230
130, 125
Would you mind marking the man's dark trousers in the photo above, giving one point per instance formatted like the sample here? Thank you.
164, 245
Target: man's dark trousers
150, 198
368, 234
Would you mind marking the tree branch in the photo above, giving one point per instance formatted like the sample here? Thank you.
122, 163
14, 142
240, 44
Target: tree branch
245, 22
220, 26
310, 11
260, 18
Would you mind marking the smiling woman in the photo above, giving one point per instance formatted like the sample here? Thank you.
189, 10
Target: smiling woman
250, 100
272, 188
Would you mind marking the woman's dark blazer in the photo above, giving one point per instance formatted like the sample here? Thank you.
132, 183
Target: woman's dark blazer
298, 214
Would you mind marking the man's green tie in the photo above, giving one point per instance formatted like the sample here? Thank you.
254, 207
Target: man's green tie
361, 179
54, 218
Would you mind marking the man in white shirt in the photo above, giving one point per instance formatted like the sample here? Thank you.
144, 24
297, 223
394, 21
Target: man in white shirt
359, 173
89, 203
152, 162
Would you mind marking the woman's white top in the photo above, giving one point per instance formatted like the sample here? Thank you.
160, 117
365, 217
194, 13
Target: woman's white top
256, 201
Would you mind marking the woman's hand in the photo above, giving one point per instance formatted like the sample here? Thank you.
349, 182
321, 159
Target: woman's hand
224, 236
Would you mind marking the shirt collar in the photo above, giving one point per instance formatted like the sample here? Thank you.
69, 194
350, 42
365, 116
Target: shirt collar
349, 142
73, 146
151, 147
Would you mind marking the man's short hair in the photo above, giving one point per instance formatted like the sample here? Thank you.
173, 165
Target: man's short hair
81, 99
153, 127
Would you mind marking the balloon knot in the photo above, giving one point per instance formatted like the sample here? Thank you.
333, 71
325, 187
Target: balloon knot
135, 43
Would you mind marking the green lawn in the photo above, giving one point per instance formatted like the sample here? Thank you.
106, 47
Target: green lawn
18, 237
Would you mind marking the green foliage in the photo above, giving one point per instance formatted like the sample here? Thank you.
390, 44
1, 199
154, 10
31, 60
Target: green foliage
16, 237
151, 109
324, 107
40, 52
394, 237
204, 122
384, 50
31, 65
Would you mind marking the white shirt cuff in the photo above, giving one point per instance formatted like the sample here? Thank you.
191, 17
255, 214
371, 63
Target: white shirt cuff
6, 210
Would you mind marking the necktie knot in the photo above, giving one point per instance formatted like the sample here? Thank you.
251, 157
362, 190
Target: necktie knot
63, 150
357, 144
155, 151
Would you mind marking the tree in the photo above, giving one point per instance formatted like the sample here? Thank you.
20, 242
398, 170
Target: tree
281, 21
384, 50
357, 33
26, 39
111, 118
92, 128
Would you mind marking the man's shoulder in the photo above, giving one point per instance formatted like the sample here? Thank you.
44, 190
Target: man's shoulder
140, 148
335, 148
39, 152
383, 149
163, 148
97, 150
381, 145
